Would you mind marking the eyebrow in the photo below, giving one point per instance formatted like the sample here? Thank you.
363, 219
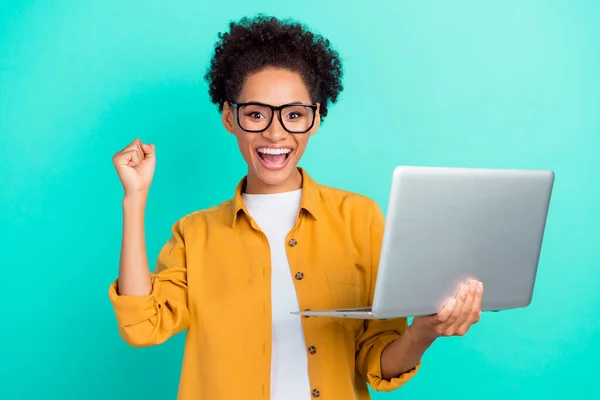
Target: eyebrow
262, 102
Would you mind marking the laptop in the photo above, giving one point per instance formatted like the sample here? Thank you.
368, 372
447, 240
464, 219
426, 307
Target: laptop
446, 225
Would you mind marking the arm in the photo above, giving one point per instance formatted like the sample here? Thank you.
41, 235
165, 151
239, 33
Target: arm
152, 318
454, 319
134, 275
403, 354
391, 351
135, 166
387, 356
150, 308
383, 372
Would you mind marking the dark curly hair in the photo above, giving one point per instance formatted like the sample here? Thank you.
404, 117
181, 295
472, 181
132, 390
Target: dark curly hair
252, 44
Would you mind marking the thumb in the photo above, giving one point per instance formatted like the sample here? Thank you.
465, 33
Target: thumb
149, 152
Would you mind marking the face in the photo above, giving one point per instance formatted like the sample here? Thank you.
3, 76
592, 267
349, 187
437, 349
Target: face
273, 154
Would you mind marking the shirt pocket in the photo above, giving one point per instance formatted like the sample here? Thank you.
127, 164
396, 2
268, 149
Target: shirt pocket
344, 288
344, 292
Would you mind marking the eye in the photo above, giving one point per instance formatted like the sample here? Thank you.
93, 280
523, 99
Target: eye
256, 115
293, 115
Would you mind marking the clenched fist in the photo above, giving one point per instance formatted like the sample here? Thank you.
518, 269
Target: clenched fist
135, 166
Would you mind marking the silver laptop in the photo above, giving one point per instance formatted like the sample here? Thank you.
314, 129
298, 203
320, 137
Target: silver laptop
446, 225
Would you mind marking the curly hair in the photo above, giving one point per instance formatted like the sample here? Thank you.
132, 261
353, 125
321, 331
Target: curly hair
253, 44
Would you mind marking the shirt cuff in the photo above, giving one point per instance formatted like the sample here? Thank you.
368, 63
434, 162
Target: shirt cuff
374, 375
131, 310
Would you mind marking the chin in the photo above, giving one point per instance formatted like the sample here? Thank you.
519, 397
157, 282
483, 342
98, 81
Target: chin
278, 180
277, 177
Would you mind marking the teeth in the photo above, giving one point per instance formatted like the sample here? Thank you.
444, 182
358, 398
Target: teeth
266, 150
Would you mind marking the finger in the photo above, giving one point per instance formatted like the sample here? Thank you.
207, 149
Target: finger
138, 148
136, 142
131, 158
131, 145
132, 153
124, 157
465, 317
474, 314
478, 302
461, 297
470, 300
446, 311
135, 145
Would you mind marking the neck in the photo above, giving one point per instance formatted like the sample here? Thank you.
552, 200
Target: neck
256, 186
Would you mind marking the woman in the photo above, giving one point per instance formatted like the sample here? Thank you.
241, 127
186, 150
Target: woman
231, 274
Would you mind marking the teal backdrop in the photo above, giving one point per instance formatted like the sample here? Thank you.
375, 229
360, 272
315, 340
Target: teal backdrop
511, 84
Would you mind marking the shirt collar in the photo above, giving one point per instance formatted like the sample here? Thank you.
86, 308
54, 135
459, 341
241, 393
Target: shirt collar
309, 201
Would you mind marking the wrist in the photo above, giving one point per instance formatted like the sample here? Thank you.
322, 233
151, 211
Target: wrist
420, 335
135, 200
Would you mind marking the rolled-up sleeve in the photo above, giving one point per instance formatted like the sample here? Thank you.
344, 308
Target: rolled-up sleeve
152, 319
371, 342
376, 335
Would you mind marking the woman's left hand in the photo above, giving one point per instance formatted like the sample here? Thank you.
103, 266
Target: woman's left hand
456, 317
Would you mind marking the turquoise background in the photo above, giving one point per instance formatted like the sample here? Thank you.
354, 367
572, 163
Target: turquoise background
511, 84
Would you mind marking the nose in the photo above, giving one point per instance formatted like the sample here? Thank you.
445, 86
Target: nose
275, 132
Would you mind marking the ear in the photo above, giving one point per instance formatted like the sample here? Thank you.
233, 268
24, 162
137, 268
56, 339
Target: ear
317, 123
228, 117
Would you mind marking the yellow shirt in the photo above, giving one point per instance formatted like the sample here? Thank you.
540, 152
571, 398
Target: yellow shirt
213, 278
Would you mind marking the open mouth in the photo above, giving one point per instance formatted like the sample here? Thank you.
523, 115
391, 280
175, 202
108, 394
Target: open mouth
274, 158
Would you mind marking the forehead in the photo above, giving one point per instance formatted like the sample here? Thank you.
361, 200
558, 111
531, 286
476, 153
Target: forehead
274, 86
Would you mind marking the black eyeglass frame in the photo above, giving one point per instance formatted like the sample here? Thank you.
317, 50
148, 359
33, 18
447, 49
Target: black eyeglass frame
237, 106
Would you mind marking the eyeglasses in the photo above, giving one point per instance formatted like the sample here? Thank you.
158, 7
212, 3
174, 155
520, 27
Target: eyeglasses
257, 117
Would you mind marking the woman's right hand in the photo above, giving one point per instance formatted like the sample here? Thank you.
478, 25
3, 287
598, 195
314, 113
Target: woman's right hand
135, 166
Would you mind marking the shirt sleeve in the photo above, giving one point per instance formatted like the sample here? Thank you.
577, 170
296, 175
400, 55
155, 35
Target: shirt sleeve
152, 319
377, 334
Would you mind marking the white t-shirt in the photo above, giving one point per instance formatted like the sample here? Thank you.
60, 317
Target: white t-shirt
275, 214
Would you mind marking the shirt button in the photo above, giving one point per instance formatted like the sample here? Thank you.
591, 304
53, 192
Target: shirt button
299, 276
293, 242
312, 349
315, 393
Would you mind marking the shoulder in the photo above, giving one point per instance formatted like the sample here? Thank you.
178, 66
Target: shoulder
200, 220
348, 203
